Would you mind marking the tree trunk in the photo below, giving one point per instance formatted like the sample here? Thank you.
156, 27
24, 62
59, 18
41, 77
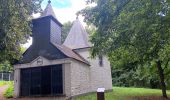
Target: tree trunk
161, 75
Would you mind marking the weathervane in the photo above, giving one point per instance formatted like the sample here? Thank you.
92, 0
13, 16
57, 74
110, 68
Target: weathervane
49, 1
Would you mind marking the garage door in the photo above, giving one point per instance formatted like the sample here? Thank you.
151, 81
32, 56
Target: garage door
42, 81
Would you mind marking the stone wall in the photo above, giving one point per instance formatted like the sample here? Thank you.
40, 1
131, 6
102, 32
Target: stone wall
80, 78
67, 79
100, 76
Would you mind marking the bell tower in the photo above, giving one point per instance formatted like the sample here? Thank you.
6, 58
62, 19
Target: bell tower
46, 34
47, 28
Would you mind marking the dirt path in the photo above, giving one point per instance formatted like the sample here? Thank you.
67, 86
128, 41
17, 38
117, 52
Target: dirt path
2, 90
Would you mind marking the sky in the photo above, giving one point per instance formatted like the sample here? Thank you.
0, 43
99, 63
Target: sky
65, 10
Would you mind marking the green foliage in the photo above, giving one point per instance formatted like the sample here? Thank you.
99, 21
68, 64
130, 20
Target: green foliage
133, 33
6, 67
90, 29
142, 76
2, 83
23, 49
65, 30
135, 25
122, 93
10, 90
15, 16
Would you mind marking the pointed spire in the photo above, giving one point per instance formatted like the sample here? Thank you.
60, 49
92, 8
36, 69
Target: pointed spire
48, 10
77, 17
77, 37
49, 1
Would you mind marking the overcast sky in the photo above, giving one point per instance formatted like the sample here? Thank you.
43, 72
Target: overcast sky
65, 11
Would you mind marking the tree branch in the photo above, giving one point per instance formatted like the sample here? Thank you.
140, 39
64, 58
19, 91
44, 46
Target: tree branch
166, 65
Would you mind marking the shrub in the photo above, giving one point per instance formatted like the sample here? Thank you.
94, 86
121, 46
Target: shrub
10, 91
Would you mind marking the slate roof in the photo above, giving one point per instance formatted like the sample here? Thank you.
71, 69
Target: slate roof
72, 54
50, 52
77, 37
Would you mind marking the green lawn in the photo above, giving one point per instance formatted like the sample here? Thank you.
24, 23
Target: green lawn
118, 93
121, 93
4, 83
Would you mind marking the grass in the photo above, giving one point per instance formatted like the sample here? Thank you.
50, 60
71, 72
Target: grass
118, 93
9, 92
2, 83
122, 93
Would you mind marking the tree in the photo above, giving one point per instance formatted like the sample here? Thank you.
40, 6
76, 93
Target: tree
15, 26
6, 67
65, 30
139, 27
127, 73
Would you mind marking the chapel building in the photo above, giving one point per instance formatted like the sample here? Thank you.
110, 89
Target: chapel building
52, 68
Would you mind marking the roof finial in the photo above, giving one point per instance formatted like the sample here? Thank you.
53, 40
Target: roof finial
49, 1
77, 17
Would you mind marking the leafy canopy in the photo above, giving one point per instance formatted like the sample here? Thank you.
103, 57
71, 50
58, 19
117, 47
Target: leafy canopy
141, 27
134, 34
15, 16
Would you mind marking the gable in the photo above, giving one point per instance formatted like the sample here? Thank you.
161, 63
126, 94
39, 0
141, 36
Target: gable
48, 51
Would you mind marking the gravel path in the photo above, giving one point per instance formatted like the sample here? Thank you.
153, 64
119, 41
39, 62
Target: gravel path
2, 90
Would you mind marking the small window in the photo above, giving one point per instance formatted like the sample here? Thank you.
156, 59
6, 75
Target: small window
100, 60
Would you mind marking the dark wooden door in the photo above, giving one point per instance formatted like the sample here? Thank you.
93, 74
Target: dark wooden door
43, 81
57, 79
46, 81
25, 82
36, 81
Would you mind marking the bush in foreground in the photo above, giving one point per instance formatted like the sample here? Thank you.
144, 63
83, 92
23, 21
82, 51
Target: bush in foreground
10, 91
